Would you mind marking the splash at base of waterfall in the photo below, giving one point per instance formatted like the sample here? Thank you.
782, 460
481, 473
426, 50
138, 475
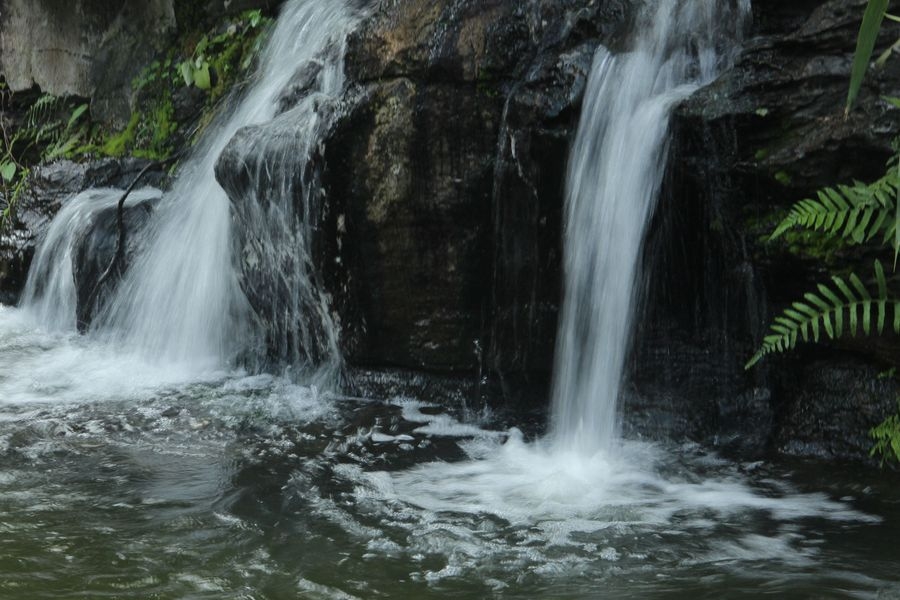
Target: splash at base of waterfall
151, 482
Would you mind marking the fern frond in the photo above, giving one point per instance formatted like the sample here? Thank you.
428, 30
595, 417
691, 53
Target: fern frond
839, 308
43, 109
856, 213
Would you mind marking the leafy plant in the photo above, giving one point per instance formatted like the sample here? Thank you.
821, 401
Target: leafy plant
837, 310
214, 55
854, 214
887, 438
865, 46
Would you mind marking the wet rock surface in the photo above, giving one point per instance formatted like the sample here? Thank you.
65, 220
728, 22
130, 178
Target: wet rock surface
95, 251
457, 138
828, 404
51, 185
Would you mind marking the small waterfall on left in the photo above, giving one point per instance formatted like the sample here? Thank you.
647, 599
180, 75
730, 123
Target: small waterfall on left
50, 295
180, 302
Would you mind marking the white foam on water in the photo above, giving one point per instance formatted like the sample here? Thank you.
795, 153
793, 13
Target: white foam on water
525, 483
59, 367
511, 506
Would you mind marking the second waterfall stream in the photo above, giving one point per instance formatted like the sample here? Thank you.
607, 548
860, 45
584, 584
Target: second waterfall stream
615, 171
616, 168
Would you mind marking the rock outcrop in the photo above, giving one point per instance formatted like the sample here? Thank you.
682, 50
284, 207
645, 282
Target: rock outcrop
83, 48
52, 185
456, 136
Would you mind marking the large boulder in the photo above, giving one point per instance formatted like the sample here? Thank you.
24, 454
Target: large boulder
50, 186
95, 254
456, 133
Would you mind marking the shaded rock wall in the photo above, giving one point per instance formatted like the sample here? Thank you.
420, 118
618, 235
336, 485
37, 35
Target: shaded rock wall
449, 167
87, 48
95, 48
768, 133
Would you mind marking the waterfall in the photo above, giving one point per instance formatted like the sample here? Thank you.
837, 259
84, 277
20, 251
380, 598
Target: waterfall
181, 299
50, 294
273, 178
614, 176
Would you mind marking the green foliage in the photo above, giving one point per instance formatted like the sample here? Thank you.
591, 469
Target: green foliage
837, 310
784, 178
887, 439
216, 57
865, 45
857, 213
213, 64
8, 170
50, 127
117, 145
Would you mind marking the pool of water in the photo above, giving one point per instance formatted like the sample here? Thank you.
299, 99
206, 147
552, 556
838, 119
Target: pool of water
122, 479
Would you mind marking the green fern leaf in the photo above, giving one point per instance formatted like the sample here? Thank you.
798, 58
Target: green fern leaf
832, 311
855, 213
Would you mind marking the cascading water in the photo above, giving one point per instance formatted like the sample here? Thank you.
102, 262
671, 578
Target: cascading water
615, 172
50, 295
121, 477
181, 302
273, 180
581, 469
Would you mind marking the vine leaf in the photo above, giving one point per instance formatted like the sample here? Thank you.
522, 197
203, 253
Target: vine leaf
8, 170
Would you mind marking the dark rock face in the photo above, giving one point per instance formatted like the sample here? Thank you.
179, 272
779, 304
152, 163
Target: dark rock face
51, 186
416, 215
768, 133
457, 138
95, 251
828, 405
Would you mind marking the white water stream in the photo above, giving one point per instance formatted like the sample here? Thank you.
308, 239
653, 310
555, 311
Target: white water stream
582, 470
180, 301
615, 171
